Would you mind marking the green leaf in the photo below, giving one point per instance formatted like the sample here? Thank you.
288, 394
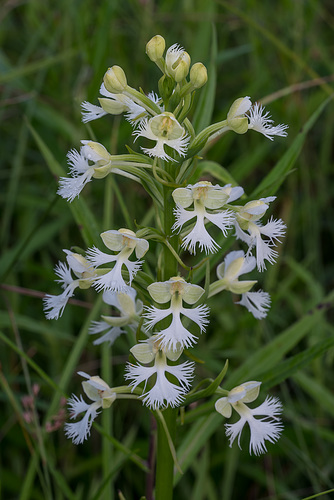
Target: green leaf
294, 363
215, 170
277, 175
322, 396
82, 214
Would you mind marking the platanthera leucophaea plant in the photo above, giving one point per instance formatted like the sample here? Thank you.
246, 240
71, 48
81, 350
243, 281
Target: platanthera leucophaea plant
164, 308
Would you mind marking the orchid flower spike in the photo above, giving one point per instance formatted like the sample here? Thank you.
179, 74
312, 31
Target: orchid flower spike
163, 393
98, 391
54, 305
247, 219
208, 201
264, 429
243, 116
176, 291
235, 264
129, 310
166, 131
125, 242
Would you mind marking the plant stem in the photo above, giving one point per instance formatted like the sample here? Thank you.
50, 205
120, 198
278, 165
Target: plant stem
164, 461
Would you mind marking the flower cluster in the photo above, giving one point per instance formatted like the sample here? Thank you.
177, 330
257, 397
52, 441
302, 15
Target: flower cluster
162, 310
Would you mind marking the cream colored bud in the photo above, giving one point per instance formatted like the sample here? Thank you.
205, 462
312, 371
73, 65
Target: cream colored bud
198, 75
155, 48
115, 80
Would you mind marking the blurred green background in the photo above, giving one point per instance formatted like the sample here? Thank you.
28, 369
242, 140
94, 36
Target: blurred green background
53, 56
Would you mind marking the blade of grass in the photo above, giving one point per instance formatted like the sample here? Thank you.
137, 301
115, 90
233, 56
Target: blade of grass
277, 175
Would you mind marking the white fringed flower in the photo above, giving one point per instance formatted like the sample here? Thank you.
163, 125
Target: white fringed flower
243, 116
116, 104
247, 218
235, 264
264, 429
98, 391
129, 310
93, 160
54, 305
163, 393
258, 303
177, 62
176, 290
125, 242
166, 131
261, 121
204, 196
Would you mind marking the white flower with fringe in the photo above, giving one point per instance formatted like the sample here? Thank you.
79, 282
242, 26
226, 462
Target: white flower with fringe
177, 62
208, 201
176, 291
247, 219
228, 272
162, 392
92, 161
125, 242
54, 305
98, 391
166, 131
116, 104
129, 310
243, 116
264, 429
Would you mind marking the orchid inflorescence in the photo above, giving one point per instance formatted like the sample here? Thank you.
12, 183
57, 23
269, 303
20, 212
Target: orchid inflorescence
199, 210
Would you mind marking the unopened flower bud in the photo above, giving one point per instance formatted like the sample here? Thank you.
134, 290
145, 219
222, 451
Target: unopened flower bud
198, 75
115, 80
155, 48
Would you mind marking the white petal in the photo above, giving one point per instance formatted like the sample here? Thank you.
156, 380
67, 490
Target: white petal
199, 235
79, 431
274, 229
176, 336
233, 431
258, 303
71, 187
262, 122
153, 315
97, 258
54, 305
223, 220
91, 112
76, 405
261, 431
198, 314
110, 335
77, 162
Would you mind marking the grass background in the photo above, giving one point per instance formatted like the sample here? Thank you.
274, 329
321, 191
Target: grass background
53, 56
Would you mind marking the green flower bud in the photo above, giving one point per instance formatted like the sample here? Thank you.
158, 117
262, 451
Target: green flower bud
198, 75
155, 48
115, 80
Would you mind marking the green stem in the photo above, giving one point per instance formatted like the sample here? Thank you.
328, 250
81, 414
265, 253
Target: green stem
164, 460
